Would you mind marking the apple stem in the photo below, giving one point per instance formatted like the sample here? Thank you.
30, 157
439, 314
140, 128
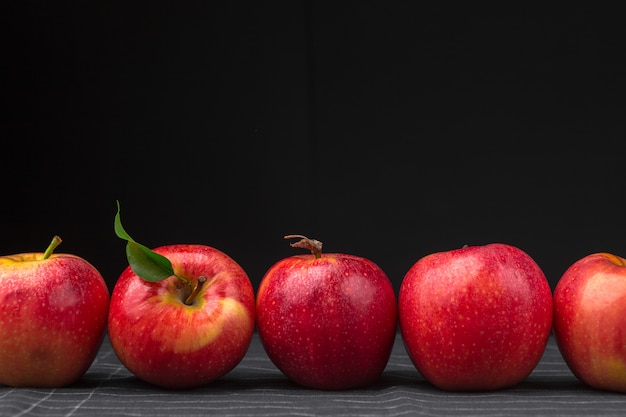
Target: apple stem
315, 246
196, 290
56, 241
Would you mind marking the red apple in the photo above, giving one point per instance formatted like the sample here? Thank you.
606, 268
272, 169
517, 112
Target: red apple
53, 312
476, 318
176, 335
181, 316
590, 320
327, 321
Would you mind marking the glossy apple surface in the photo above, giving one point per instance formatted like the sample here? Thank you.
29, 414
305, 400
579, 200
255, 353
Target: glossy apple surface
328, 322
53, 315
476, 318
590, 320
168, 343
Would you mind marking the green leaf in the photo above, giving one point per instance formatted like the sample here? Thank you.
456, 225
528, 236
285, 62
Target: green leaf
147, 264
119, 230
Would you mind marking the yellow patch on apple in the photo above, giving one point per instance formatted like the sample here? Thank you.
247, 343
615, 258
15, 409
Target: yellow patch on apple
201, 332
612, 368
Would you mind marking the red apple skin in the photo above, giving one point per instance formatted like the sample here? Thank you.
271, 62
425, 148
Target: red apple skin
167, 343
53, 315
327, 323
590, 320
476, 318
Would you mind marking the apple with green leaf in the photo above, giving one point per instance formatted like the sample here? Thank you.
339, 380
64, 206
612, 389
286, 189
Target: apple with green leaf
181, 316
327, 320
590, 320
53, 315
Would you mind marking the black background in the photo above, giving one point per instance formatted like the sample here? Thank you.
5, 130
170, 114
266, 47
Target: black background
388, 130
